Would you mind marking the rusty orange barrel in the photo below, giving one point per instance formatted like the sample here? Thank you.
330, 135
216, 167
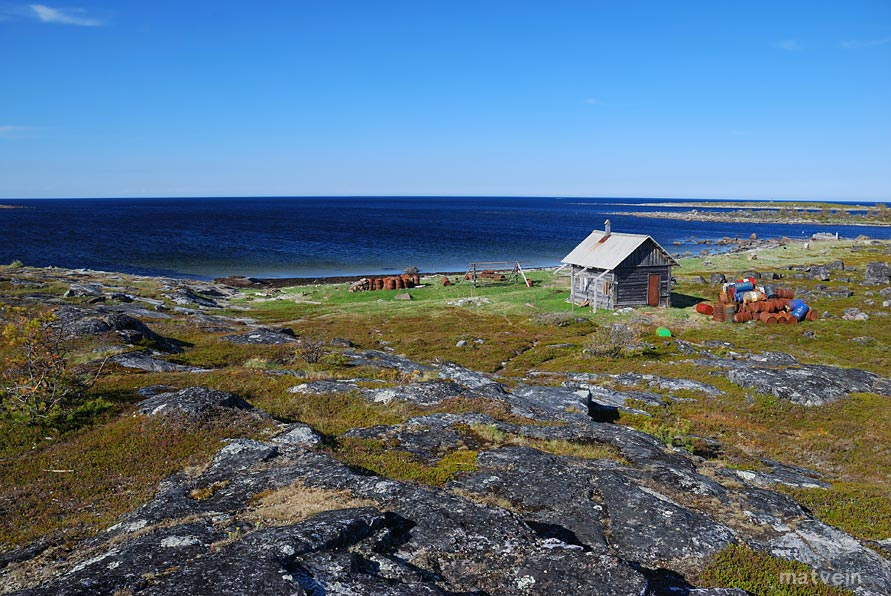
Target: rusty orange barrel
705, 308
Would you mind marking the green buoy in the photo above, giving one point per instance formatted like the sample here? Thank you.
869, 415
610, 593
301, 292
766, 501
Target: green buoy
663, 332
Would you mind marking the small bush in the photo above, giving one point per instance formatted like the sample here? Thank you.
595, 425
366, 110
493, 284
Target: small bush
616, 341
862, 510
37, 380
17, 264
311, 351
555, 319
763, 575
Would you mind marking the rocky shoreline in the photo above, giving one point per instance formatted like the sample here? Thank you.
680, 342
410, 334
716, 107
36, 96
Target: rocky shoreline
760, 216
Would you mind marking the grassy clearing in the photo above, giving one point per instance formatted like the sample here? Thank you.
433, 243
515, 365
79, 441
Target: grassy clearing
387, 460
490, 437
862, 510
297, 502
761, 574
83, 483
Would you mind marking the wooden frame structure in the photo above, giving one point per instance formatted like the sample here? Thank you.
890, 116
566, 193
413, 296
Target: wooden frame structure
476, 269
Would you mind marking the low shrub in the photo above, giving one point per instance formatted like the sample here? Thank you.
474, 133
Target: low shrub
38, 382
762, 574
617, 340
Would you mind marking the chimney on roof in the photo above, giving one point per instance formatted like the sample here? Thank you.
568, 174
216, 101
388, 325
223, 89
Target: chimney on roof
606, 227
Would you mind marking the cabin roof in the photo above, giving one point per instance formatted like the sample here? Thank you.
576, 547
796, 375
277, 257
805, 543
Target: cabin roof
599, 251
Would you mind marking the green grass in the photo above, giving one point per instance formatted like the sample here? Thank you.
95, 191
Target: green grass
847, 440
490, 437
78, 485
862, 510
387, 460
761, 574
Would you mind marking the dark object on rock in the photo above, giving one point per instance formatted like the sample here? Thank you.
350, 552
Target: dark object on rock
193, 402
878, 273
263, 336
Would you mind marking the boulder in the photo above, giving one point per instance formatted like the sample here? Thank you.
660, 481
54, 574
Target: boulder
717, 278
877, 273
184, 296
854, 314
300, 435
84, 291
79, 322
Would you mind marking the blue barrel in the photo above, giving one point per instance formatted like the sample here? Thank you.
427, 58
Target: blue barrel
770, 291
800, 311
744, 286
793, 304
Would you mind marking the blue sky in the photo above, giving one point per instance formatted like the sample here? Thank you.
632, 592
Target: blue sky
334, 97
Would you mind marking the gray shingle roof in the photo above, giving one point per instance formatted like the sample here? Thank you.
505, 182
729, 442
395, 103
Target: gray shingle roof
597, 253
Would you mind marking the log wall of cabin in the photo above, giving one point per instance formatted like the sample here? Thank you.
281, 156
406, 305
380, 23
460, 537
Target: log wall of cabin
632, 285
583, 285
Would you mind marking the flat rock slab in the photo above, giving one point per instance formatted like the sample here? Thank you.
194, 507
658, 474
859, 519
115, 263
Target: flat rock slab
425, 393
193, 402
378, 359
778, 473
147, 362
806, 384
322, 387
262, 337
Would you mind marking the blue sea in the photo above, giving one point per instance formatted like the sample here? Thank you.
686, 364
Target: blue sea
324, 236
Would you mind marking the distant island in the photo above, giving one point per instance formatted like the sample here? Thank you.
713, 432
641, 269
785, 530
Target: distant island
774, 212
11, 206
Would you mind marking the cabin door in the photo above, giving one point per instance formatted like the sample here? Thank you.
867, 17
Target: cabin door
653, 289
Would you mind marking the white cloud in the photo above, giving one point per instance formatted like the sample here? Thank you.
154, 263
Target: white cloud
54, 15
852, 44
789, 45
10, 131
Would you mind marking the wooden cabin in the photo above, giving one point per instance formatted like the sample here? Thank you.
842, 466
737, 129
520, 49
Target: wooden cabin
613, 270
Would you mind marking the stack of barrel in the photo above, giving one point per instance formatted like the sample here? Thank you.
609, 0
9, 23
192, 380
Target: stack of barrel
395, 282
743, 301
